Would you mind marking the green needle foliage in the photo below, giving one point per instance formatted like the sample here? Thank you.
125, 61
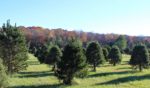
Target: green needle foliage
115, 55
94, 54
73, 61
13, 48
105, 52
41, 52
121, 42
54, 56
108, 48
140, 57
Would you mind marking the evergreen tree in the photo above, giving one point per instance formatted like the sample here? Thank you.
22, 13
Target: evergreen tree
108, 48
121, 42
83, 72
140, 57
149, 53
73, 61
115, 55
13, 48
94, 54
54, 56
105, 52
41, 52
3, 76
127, 51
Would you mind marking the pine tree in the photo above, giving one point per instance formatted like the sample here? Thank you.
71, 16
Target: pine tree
108, 48
73, 61
54, 56
140, 57
41, 52
105, 52
128, 51
94, 54
83, 72
149, 54
115, 55
13, 48
121, 42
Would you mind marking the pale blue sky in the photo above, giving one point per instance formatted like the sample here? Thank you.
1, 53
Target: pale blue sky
103, 16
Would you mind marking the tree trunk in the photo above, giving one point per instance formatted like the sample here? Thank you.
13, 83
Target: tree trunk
140, 67
10, 66
94, 67
67, 81
114, 64
54, 66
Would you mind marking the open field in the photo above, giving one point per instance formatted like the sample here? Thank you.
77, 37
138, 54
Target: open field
107, 76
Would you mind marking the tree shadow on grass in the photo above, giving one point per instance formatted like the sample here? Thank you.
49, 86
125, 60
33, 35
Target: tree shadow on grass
126, 79
121, 68
106, 65
125, 63
39, 86
110, 73
35, 74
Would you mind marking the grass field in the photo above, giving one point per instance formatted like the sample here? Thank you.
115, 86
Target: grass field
107, 76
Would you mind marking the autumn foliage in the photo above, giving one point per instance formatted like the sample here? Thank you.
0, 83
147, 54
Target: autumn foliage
61, 36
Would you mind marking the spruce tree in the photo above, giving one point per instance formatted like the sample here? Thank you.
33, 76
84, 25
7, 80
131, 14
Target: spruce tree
13, 48
121, 42
3, 76
115, 55
41, 52
54, 56
128, 51
73, 60
83, 72
108, 48
140, 57
105, 52
94, 54
149, 54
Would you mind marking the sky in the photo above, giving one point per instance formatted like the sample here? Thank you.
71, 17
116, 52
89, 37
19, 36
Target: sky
130, 17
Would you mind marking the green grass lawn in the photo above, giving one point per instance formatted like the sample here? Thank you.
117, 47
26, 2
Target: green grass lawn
107, 76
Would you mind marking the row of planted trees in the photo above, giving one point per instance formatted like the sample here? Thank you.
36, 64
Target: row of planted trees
73, 58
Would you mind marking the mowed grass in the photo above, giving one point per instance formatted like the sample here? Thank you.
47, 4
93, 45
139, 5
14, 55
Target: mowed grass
107, 76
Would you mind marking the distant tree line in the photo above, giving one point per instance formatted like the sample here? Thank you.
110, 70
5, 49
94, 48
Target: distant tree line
61, 36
